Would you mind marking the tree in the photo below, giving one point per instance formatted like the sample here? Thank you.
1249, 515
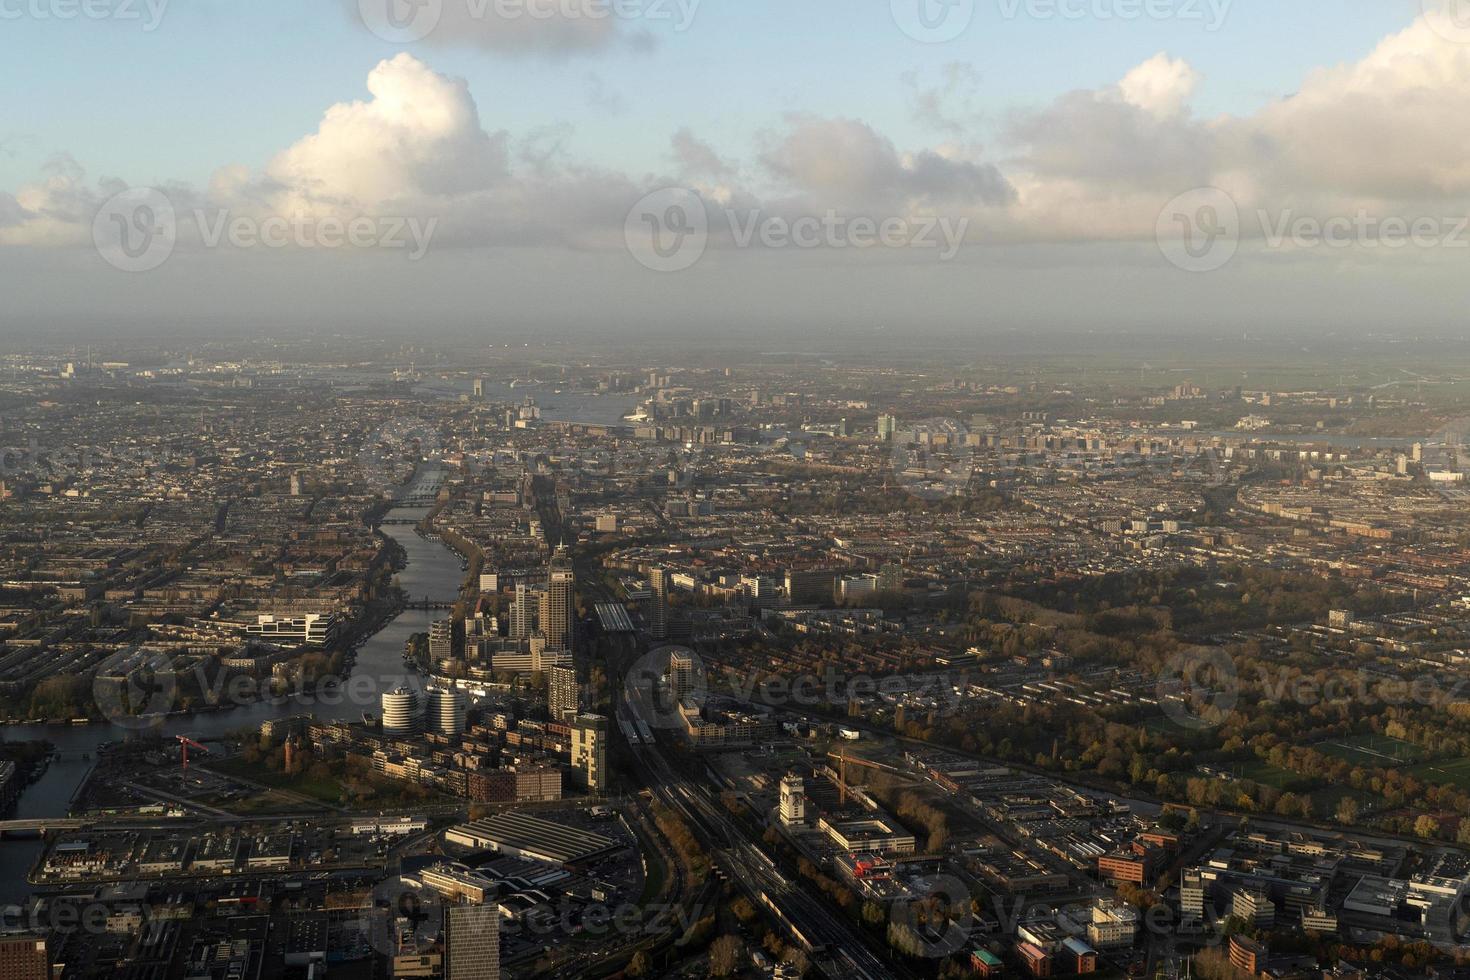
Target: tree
797, 960
640, 965
744, 911
1347, 811
1426, 826
725, 955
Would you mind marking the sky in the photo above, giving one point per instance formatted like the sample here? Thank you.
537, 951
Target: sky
705, 165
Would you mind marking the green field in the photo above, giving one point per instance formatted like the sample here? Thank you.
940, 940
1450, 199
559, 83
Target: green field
328, 790
1326, 799
1269, 775
1455, 772
1372, 750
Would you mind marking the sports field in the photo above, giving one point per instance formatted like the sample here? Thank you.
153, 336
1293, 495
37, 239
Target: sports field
1372, 750
1453, 771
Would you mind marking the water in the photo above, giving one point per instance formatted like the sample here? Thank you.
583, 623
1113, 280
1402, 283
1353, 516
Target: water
1328, 439
433, 571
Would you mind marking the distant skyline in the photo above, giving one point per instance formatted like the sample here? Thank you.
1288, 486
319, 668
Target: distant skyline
1045, 168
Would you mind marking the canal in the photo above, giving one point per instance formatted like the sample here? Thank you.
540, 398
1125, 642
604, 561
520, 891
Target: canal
432, 571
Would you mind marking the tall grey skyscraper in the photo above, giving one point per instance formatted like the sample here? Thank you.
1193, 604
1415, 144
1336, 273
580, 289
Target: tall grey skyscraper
658, 607
523, 611
681, 674
558, 603
472, 942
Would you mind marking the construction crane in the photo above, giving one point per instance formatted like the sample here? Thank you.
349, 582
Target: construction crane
844, 760
185, 743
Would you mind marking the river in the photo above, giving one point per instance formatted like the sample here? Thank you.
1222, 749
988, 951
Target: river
432, 571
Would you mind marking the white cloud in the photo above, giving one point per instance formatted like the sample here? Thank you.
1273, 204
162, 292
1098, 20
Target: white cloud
1389, 134
418, 137
1161, 86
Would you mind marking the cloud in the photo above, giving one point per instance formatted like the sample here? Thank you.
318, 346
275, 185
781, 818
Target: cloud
847, 160
1389, 133
1394, 125
418, 137
1161, 86
52, 210
555, 28
416, 148
947, 107
600, 97
697, 158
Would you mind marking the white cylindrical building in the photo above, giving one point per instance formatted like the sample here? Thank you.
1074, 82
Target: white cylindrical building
402, 713
446, 711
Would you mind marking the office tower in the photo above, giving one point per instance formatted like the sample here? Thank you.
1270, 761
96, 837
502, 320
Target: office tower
523, 612
295, 484
472, 942
890, 578
446, 711
563, 694
557, 612
402, 714
793, 800
658, 608
887, 428
589, 752
810, 587
479, 389
24, 958
441, 639
681, 674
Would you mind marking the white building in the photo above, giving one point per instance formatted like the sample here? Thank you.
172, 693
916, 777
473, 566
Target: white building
402, 713
793, 800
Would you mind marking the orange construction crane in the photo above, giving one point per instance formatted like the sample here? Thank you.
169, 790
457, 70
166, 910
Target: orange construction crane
185, 743
843, 759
